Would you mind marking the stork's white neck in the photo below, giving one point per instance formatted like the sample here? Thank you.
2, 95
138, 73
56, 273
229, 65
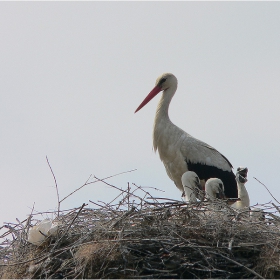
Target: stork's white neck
243, 195
163, 104
162, 120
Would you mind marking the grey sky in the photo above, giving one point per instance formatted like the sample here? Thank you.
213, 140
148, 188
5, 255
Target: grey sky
72, 75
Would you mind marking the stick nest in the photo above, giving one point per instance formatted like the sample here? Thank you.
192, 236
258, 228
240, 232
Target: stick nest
147, 237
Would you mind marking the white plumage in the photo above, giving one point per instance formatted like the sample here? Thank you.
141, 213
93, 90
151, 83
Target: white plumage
243, 196
214, 188
191, 185
38, 234
241, 179
178, 150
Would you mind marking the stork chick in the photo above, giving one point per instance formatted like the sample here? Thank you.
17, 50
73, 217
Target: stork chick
191, 185
214, 188
241, 179
244, 199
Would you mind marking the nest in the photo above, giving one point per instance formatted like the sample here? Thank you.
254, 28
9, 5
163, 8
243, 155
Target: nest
147, 237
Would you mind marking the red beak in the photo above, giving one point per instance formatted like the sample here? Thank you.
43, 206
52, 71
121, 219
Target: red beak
149, 97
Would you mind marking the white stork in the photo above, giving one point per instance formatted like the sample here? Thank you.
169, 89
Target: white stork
241, 179
178, 150
191, 185
214, 188
243, 196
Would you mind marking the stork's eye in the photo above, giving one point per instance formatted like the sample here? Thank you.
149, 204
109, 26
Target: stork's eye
162, 81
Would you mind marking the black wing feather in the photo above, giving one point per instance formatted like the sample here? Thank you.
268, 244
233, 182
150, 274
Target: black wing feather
206, 172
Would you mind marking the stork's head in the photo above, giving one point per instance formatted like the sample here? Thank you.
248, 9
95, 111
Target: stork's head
191, 185
214, 188
166, 80
241, 174
163, 82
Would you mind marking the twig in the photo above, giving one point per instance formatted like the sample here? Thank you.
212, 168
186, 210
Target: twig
96, 203
98, 180
23, 262
27, 226
114, 198
239, 264
123, 217
142, 188
57, 193
68, 227
86, 183
102, 180
163, 198
128, 195
230, 244
147, 193
276, 207
267, 190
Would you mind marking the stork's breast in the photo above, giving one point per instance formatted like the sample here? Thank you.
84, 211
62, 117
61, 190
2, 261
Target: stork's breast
174, 163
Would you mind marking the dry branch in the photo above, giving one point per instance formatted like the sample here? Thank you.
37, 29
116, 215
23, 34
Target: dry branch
56, 187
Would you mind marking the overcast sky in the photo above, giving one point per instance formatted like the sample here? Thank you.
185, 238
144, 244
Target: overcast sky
72, 75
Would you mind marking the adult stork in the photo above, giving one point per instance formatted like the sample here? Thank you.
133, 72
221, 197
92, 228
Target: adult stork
178, 150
